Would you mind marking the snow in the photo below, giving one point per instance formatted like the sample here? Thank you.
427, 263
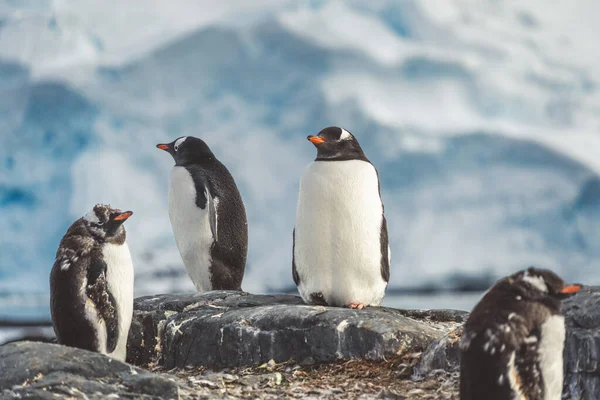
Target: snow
481, 117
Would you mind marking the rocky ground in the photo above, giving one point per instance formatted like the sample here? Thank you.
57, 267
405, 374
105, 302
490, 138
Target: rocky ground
234, 345
49, 371
237, 345
351, 379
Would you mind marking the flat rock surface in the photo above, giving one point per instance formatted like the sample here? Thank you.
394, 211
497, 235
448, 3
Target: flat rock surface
49, 371
230, 329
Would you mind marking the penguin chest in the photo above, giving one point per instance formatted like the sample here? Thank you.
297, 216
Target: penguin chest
550, 356
120, 282
191, 227
337, 238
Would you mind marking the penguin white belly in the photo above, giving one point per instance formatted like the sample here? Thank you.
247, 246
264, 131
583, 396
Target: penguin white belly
550, 351
191, 228
119, 278
337, 235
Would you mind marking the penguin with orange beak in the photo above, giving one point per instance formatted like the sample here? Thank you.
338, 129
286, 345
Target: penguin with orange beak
341, 255
207, 215
91, 284
512, 346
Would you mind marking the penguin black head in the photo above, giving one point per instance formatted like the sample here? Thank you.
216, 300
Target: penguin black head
336, 144
105, 223
538, 283
187, 150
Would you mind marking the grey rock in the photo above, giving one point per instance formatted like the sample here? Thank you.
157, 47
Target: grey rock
230, 328
582, 345
48, 371
442, 354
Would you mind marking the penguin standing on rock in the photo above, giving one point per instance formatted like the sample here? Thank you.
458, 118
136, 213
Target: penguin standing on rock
341, 255
512, 346
91, 284
207, 215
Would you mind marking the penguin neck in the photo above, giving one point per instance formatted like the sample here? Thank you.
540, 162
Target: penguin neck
553, 304
117, 239
201, 161
342, 156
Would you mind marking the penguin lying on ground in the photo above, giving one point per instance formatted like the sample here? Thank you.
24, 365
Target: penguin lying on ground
207, 215
91, 284
341, 255
512, 346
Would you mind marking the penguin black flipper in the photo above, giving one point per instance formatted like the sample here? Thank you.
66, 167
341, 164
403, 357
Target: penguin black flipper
106, 305
294, 271
488, 383
385, 251
212, 214
204, 200
528, 367
201, 185
510, 368
96, 269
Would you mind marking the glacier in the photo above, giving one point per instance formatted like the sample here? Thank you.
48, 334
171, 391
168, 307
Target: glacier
481, 117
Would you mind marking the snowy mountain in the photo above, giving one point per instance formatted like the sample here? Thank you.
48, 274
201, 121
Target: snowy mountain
481, 117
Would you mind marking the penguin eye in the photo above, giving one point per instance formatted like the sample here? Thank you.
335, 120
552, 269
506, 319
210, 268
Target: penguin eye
176, 147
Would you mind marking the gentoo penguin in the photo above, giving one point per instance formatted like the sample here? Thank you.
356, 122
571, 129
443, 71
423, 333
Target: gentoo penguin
341, 255
207, 215
91, 284
512, 346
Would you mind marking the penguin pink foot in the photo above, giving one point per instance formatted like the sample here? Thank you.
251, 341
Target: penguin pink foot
356, 306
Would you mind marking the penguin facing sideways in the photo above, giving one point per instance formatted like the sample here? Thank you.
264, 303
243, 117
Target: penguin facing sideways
91, 284
512, 346
207, 215
341, 255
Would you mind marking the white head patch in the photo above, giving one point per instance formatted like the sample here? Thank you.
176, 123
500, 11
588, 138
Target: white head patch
537, 282
91, 217
178, 142
345, 135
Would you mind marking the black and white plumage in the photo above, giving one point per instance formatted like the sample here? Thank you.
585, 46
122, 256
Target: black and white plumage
91, 284
512, 346
207, 215
341, 255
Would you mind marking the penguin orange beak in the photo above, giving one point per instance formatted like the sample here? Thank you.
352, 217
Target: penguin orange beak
315, 139
123, 216
570, 289
163, 146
